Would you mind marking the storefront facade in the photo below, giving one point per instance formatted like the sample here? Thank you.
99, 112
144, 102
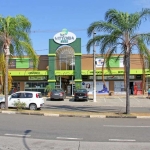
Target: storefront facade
66, 67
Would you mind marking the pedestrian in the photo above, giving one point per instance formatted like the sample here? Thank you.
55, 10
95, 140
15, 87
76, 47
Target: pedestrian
149, 92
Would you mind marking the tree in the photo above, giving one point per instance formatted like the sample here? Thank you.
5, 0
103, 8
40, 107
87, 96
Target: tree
48, 89
14, 40
3, 72
119, 30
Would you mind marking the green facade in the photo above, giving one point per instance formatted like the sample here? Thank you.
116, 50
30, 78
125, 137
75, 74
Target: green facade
53, 46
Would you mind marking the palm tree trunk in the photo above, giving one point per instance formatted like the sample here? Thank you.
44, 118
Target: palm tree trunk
6, 83
124, 63
127, 81
7, 53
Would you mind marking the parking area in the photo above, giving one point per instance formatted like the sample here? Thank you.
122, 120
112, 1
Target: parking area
135, 101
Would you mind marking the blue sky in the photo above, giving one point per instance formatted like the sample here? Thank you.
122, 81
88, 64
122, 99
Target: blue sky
50, 16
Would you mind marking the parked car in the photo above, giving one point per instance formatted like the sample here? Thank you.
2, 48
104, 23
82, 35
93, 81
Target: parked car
81, 94
58, 94
33, 100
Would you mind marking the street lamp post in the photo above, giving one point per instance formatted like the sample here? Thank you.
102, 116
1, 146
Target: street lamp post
6, 53
72, 76
94, 71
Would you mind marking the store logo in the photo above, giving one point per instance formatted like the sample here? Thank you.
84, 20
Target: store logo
64, 37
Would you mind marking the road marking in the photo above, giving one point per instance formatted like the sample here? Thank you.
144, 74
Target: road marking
117, 126
120, 99
104, 100
23, 135
136, 99
69, 138
122, 140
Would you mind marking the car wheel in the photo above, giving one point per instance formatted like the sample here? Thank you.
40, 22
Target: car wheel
33, 107
2, 106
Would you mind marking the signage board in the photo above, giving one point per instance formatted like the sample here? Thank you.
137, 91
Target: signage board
100, 87
64, 37
113, 62
37, 78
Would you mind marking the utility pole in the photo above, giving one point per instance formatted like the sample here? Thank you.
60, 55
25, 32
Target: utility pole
6, 53
72, 77
94, 71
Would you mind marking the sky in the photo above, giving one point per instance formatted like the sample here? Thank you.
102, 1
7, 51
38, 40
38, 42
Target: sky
49, 17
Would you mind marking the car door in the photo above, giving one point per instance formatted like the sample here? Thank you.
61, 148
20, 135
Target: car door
15, 97
26, 98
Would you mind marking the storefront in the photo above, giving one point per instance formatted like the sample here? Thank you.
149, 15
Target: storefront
29, 80
66, 67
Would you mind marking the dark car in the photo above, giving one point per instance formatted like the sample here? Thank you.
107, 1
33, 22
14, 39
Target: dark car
58, 94
81, 94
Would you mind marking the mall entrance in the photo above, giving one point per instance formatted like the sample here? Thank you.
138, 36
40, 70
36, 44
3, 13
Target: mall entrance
65, 61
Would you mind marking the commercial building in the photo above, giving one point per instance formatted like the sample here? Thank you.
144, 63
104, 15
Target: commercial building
66, 67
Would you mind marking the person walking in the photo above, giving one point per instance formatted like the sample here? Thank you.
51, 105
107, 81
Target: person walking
149, 92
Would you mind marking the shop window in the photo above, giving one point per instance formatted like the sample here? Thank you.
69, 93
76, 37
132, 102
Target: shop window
30, 63
36, 86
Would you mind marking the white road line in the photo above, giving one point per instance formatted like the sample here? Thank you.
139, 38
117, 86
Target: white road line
23, 135
69, 138
136, 99
104, 100
120, 99
117, 126
122, 140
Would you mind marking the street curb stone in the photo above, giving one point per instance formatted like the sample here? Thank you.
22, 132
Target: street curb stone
143, 117
66, 115
23, 113
38, 114
83, 116
8, 112
97, 116
121, 116
51, 115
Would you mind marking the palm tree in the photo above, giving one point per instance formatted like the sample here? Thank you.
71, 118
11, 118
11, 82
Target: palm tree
120, 29
14, 39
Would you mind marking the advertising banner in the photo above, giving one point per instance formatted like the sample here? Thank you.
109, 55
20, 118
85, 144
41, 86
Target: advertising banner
137, 87
100, 88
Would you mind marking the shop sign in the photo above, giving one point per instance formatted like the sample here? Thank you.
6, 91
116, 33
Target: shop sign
138, 77
113, 62
28, 73
33, 72
37, 78
64, 37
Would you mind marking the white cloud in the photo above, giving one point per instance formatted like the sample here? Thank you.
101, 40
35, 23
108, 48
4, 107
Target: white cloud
142, 3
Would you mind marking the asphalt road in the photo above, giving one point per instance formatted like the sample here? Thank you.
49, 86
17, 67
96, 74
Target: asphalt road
34, 132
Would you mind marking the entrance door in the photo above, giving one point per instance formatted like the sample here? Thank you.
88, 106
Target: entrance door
131, 88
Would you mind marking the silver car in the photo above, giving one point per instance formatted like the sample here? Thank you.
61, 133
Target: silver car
58, 94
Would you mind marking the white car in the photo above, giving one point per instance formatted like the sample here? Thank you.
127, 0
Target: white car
33, 100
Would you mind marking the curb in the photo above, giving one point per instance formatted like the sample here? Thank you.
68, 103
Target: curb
63, 115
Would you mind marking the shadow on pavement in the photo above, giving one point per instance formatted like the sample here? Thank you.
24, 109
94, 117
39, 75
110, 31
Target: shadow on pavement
24, 139
94, 109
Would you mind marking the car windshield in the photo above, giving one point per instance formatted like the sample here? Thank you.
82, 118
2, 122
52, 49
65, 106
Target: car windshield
81, 90
57, 90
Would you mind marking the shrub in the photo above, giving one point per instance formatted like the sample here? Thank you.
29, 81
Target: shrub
19, 105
